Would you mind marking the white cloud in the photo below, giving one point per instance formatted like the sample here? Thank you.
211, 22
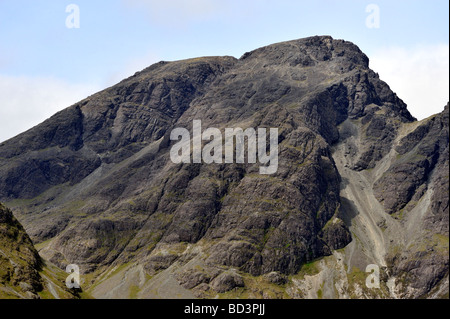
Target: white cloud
27, 101
419, 76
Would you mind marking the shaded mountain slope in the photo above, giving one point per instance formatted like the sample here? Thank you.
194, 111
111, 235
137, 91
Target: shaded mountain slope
95, 185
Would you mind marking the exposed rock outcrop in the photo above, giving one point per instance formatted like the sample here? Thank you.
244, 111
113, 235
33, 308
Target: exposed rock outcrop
95, 182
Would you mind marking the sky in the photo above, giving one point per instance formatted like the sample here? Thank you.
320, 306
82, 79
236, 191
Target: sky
55, 53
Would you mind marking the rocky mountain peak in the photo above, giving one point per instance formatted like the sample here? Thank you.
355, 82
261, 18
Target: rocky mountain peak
356, 174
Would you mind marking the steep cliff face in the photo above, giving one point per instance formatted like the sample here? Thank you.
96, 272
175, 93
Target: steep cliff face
398, 210
419, 180
356, 176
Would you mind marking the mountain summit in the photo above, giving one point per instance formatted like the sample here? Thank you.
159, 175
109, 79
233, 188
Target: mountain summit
359, 182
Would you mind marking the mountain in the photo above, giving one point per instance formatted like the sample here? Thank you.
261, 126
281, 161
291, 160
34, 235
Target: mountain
359, 182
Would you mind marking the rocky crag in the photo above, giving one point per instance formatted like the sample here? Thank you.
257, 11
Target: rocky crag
359, 182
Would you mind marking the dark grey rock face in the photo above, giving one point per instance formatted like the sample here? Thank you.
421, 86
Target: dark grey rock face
227, 281
105, 128
422, 166
418, 154
97, 179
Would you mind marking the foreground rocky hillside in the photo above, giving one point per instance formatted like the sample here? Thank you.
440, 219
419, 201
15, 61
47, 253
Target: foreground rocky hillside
19, 260
23, 274
359, 182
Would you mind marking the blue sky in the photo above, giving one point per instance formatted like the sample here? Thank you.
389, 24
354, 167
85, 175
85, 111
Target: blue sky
45, 66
